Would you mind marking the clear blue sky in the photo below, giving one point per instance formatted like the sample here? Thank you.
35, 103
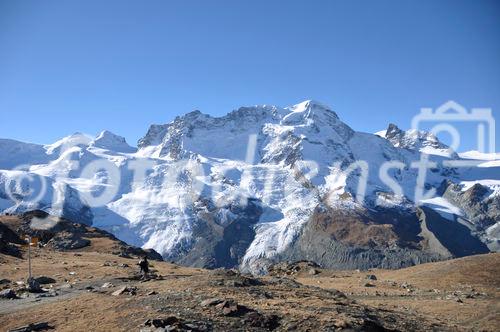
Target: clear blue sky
68, 66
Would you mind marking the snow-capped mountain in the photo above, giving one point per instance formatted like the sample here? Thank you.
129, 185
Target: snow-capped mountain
263, 184
413, 139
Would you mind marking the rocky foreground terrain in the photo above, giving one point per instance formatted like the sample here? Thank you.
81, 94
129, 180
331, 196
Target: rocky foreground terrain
95, 286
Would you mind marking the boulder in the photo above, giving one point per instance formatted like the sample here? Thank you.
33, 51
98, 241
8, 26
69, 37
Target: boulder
8, 294
34, 286
44, 280
231, 308
210, 302
33, 327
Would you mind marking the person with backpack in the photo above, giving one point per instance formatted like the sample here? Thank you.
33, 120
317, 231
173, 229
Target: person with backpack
144, 266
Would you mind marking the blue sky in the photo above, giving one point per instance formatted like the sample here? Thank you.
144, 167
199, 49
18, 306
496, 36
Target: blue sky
68, 66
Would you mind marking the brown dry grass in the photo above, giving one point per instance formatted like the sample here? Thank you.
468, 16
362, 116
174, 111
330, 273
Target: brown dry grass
183, 289
431, 284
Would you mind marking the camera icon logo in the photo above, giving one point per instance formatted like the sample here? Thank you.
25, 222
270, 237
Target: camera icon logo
451, 112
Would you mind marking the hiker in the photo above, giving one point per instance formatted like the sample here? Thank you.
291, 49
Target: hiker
144, 265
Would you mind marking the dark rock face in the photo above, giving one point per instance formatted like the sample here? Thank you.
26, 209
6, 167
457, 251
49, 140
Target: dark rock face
455, 237
67, 241
63, 234
481, 210
336, 238
362, 239
7, 240
9, 236
222, 242
414, 140
57, 233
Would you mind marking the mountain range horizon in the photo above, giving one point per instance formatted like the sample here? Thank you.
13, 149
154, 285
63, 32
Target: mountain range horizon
255, 186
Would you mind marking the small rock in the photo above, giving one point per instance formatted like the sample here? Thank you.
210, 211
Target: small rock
152, 293
210, 302
341, 323
72, 273
313, 272
367, 284
107, 285
231, 308
125, 289
371, 277
119, 291
405, 285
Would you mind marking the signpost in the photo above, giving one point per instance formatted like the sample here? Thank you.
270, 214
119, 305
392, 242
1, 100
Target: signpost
32, 241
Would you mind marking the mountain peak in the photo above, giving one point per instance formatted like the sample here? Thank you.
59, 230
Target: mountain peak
76, 139
108, 135
418, 140
310, 103
110, 141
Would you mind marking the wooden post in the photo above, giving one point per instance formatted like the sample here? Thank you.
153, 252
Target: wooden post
29, 257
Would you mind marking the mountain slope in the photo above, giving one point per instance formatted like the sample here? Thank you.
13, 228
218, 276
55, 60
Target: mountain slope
263, 184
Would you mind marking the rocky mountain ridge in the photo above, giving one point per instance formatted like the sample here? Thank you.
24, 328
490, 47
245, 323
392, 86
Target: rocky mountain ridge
264, 184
